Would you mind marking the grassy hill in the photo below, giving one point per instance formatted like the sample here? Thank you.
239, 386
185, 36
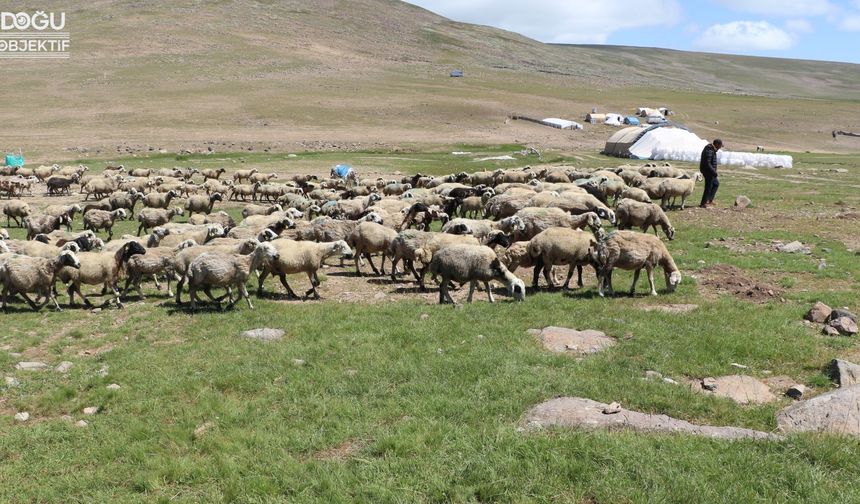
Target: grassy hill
293, 75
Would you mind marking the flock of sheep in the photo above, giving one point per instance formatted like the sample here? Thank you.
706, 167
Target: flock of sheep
492, 222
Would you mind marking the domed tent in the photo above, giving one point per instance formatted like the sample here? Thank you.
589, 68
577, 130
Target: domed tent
620, 142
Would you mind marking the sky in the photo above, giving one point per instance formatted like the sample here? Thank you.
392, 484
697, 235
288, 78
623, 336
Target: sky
804, 29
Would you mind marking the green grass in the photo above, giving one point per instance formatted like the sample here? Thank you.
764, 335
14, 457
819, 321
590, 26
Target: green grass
392, 408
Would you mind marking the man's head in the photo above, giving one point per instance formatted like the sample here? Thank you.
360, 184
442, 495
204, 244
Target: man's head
718, 143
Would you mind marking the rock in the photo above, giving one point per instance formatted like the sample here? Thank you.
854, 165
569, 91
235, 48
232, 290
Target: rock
81, 423
653, 375
31, 366
834, 412
844, 326
91, 410
743, 389
819, 313
588, 415
113, 386
742, 202
793, 248
670, 308
670, 381
103, 371
571, 341
830, 331
299, 362
23, 416
264, 334
796, 391
841, 312
11, 381
739, 366
64, 367
845, 373
612, 408
423, 316
709, 384
201, 429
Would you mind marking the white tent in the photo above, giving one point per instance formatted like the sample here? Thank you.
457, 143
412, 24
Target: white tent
562, 123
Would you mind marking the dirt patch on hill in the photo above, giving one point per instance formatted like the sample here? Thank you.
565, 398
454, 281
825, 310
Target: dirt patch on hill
728, 279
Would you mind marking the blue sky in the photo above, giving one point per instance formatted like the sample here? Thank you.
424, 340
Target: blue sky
807, 29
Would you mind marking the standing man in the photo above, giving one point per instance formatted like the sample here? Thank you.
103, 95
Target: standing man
708, 167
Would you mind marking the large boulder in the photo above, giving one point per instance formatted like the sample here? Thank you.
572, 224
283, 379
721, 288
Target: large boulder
835, 412
571, 341
844, 326
819, 313
844, 373
739, 388
839, 313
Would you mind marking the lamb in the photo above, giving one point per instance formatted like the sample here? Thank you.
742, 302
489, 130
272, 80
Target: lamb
673, 188
480, 229
69, 210
169, 172
214, 269
241, 175
371, 238
159, 200
156, 261
23, 274
535, 220
471, 263
252, 209
635, 194
16, 209
643, 215
612, 187
125, 200
301, 257
185, 256
200, 234
100, 219
152, 217
202, 204
630, 250
97, 268
43, 224
562, 245
211, 173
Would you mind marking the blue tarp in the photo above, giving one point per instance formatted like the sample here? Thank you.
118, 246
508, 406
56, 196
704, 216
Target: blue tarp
456, 73
631, 120
13, 160
342, 170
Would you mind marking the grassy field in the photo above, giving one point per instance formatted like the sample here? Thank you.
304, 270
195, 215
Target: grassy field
384, 405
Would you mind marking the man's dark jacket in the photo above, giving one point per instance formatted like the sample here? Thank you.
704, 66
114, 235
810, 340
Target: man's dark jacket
708, 162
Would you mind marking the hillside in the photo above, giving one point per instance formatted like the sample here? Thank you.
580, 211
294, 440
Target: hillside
366, 73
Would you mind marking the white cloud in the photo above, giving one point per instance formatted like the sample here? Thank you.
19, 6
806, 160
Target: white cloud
798, 26
850, 23
569, 22
782, 8
743, 36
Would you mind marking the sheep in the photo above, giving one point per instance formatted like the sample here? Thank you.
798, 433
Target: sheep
61, 185
672, 188
100, 187
125, 200
140, 185
471, 263
370, 238
635, 194
140, 172
630, 250
102, 204
612, 187
202, 204
23, 274
97, 268
152, 217
562, 245
43, 172
244, 190
325, 229
69, 210
421, 247
631, 177
353, 209
506, 204
632, 213
16, 209
214, 269
185, 256
200, 234
86, 240
252, 209
43, 224
100, 219
33, 248
396, 189
262, 178
427, 214
211, 173
169, 172
535, 220
515, 176
241, 175
156, 261
159, 200
222, 218
480, 229
577, 203
557, 175
4, 234
301, 257
652, 187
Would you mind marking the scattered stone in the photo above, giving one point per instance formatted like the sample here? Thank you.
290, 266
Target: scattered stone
819, 313
742, 202
653, 375
264, 334
424, 316
830, 331
22, 416
299, 362
31, 366
64, 367
835, 412
201, 429
66, 418
793, 248
91, 410
844, 373
670, 381
796, 391
841, 312
81, 423
612, 408
743, 389
739, 366
587, 414
113, 386
563, 340
822, 264
671, 308
844, 326
103, 371
709, 384
11, 381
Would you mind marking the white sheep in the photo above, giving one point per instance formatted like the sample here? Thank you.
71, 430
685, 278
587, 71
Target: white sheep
23, 274
559, 246
153, 217
371, 238
202, 204
16, 209
535, 220
95, 220
635, 194
473, 263
185, 256
156, 261
675, 187
218, 269
630, 250
632, 213
301, 257
99, 268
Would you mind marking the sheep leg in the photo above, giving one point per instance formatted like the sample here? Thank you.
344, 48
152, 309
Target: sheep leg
382, 265
472, 284
139, 228
394, 261
683, 201
370, 261
244, 293
635, 279
489, 292
286, 285
192, 293
537, 269
312, 276
651, 280
411, 265
179, 285
547, 274
117, 296
444, 296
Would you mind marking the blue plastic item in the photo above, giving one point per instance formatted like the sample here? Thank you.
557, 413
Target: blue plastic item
634, 121
13, 160
342, 170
